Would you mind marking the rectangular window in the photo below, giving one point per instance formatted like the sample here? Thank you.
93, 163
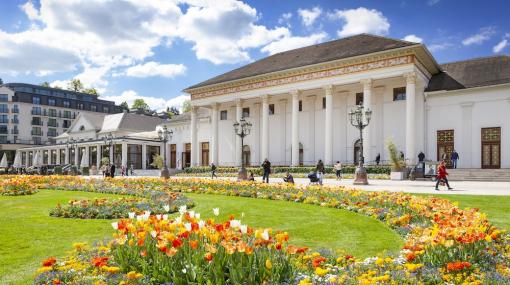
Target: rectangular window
3, 139
271, 109
67, 114
4, 97
323, 102
15, 119
300, 105
67, 104
80, 106
66, 124
52, 112
36, 111
36, 121
399, 94
246, 112
106, 109
15, 130
3, 129
52, 101
359, 98
52, 132
4, 108
4, 119
223, 115
36, 100
37, 140
93, 108
15, 109
52, 123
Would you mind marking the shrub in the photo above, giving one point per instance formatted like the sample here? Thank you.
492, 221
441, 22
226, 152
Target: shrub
157, 161
85, 171
396, 163
347, 169
58, 170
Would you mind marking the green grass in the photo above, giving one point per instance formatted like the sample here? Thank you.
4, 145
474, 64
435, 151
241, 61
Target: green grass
28, 234
497, 208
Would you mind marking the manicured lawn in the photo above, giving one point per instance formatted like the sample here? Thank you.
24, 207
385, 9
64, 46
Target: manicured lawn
497, 208
28, 234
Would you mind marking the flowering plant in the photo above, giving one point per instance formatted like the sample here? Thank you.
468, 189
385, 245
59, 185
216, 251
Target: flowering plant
17, 186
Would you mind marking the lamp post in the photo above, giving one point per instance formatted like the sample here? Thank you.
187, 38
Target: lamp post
165, 135
108, 141
360, 118
71, 143
242, 129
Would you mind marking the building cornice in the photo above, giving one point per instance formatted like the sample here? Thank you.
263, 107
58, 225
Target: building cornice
417, 55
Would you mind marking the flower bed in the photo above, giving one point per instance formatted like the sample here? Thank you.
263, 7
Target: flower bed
120, 208
17, 186
186, 250
383, 169
443, 243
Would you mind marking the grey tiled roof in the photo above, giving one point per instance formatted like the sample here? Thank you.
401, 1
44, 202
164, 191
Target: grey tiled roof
338, 49
470, 73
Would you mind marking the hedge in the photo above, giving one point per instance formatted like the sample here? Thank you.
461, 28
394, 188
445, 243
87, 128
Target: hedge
282, 169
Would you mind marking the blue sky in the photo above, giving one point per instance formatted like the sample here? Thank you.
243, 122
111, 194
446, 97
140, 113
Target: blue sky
153, 49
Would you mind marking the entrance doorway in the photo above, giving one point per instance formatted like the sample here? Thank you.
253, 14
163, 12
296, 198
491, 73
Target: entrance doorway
173, 156
186, 156
445, 146
491, 148
246, 155
357, 152
205, 154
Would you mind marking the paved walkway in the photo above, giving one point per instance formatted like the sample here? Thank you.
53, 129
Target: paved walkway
427, 187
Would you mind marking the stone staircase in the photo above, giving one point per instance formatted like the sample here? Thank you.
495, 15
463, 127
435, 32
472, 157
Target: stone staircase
476, 174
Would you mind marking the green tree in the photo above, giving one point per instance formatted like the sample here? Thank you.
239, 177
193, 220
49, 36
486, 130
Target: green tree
186, 106
140, 104
45, 84
124, 105
157, 161
1, 81
75, 85
91, 91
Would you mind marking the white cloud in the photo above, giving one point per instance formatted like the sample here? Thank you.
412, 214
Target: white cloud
502, 44
483, 35
285, 19
288, 43
30, 11
361, 20
154, 103
439, 46
152, 68
433, 2
413, 38
308, 16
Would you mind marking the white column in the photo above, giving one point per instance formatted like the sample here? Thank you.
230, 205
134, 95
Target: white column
66, 156
58, 156
311, 158
295, 128
410, 117
194, 142
214, 139
239, 116
144, 156
98, 156
124, 154
111, 151
76, 156
87, 153
328, 124
367, 104
264, 153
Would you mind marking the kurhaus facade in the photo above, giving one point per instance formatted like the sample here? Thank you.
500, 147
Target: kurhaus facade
298, 102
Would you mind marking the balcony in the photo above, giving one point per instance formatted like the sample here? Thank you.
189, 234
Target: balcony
54, 124
52, 134
4, 121
15, 131
15, 110
15, 121
37, 133
37, 123
36, 112
4, 131
67, 116
52, 114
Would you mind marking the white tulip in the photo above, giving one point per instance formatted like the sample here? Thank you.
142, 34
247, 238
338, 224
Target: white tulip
167, 208
216, 211
131, 215
165, 217
265, 235
115, 226
244, 229
188, 226
182, 209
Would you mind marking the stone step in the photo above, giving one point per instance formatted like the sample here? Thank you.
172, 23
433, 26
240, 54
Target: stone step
470, 174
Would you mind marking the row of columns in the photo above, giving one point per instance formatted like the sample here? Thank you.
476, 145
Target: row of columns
410, 125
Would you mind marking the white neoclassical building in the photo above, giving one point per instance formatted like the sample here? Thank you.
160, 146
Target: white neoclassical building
298, 102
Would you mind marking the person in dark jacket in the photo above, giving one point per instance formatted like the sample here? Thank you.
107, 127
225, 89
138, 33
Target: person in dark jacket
213, 171
319, 168
112, 170
455, 157
421, 157
378, 159
288, 178
442, 175
266, 165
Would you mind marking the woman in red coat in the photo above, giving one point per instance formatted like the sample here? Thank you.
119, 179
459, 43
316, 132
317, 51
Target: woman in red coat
442, 175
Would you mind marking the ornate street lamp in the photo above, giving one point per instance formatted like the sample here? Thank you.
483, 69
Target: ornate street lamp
242, 129
108, 141
71, 144
360, 118
165, 135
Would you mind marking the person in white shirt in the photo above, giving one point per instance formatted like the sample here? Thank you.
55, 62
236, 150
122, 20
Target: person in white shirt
338, 170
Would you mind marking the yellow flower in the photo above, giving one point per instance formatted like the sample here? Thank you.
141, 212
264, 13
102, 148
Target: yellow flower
269, 265
134, 275
320, 271
44, 269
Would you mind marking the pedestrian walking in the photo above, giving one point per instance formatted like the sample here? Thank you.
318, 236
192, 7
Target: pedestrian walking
319, 168
338, 170
112, 170
266, 166
378, 159
455, 157
213, 171
421, 156
122, 170
442, 175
